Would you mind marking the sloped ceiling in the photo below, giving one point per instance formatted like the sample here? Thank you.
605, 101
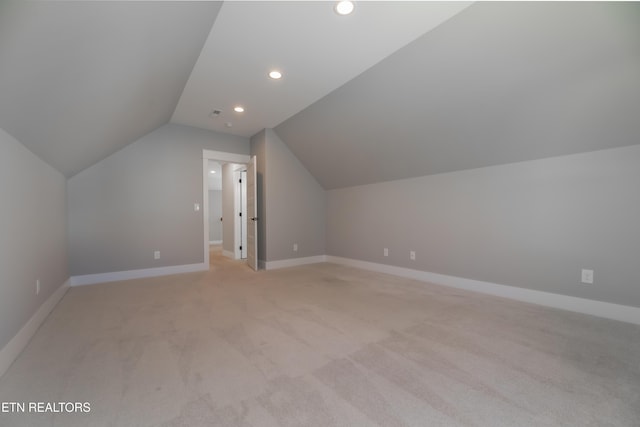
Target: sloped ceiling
316, 50
497, 83
473, 86
80, 80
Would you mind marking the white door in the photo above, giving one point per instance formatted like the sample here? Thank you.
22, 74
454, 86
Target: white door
240, 198
243, 209
252, 215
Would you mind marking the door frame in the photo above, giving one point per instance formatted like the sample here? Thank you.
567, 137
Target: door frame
220, 156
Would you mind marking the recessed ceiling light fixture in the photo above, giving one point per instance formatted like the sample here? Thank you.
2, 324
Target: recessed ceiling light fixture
344, 7
238, 109
275, 74
212, 171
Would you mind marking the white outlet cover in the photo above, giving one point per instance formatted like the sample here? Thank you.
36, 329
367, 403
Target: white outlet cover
587, 276
386, 251
156, 255
295, 247
412, 255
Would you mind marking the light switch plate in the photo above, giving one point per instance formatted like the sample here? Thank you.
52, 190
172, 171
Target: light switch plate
587, 276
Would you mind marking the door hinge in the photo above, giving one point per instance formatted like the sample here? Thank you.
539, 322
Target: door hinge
240, 181
240, 214
240, 247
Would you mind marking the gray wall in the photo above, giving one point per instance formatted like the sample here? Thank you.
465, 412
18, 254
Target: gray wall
215, 213
33, 243
295, 204
532, 224
258, 149
141, 199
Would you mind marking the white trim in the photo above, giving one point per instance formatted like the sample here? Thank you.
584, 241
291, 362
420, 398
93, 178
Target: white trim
117, 276
223, 156
294, 262
228, 254
14, 347
607, 310
215, 242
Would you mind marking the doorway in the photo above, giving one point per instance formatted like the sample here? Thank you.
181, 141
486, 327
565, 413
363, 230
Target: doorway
223, 159
214, 187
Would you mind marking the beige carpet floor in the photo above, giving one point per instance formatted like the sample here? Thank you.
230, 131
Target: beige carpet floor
321, 345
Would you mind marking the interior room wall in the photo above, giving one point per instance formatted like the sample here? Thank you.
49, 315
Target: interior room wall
294, 204
33, 225
215, 213
140, 200
532, 224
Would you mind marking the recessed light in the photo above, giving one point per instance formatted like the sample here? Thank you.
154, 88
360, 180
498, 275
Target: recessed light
212, 171
275, 74
344, 7
238, 109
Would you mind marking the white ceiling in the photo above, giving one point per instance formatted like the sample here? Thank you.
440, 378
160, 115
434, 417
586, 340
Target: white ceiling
316, 49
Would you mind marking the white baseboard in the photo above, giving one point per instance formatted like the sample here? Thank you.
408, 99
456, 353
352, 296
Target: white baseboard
215, 242
228, 254
13, 348
294, 262
607, 310
92, 279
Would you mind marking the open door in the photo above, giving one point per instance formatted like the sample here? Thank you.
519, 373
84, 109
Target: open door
252, 215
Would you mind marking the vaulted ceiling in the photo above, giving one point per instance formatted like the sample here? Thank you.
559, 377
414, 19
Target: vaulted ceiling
497, 83
316, 50
394, 90
80, 80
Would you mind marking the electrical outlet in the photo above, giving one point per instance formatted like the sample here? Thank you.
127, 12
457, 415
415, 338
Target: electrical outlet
412, 255
37, 286
386, 251
295, 247
587, 276
156, 255
196, 207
